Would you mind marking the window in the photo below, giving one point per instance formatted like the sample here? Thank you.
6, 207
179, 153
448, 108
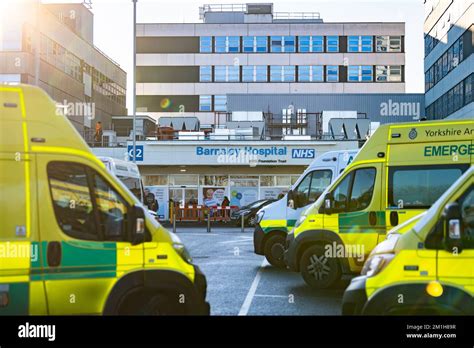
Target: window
282, 44
226, 73
310, 44
419, 187
220, 103
467, 213
359, 43
10, 78
332, 73
354, 192
205, 44
282, 73
341, 193
387, 43
254, 73
320, 180
332, 44
255, 44
205, 103
359, 73
227, 44
311, 187
362, 189
205, 73
112, 210
388, 73
310, 73
97, 214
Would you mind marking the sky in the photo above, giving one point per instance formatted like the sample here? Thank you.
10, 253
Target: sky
113, 24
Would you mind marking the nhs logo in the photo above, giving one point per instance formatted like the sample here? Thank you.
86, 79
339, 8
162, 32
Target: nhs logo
303, 153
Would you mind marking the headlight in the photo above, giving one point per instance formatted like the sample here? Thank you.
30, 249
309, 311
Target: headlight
376, 264
300, 221
183, 252
260, 215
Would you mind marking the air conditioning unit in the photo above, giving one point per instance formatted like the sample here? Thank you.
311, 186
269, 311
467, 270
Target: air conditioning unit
109, 138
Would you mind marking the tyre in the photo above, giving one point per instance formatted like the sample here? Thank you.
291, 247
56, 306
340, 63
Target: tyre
162, 304
319, 271
152, 303
274, 249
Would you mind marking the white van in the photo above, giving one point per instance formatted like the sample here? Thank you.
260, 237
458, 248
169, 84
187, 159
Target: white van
275, 220
128, 173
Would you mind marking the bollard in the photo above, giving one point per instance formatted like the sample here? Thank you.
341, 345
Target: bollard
174, 220
208, 223
242, 221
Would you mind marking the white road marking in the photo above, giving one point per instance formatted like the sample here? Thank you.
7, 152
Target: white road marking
276, 296
242, 240
253, 288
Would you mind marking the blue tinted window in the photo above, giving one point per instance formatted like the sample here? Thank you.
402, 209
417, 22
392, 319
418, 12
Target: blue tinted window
304, 74
282, 44
205, 73
310, 44
332, 73
248, 43
276, 44
313, 73
332, 44
261, 73
289, 73
359, 43
255, 44
359, 73
220, 103
233, 73
205, 44
205, 102
220, 73
226, 44
233, 43
247, 73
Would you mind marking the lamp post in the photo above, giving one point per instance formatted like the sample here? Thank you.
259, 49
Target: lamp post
134, 78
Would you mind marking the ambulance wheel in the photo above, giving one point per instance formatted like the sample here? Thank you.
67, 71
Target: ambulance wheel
162, 304
274, 249
319, 271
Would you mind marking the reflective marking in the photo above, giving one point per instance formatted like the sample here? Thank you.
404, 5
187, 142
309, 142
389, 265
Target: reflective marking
253, 288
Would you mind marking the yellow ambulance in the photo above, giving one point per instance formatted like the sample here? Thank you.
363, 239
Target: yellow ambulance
399, 173
73, 238
429, 269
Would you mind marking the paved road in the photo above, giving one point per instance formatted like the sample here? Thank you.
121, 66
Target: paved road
243, 283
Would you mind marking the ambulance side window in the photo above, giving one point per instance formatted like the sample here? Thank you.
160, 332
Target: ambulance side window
467, 213
320, 180
341, 192
362, 189
72, 200
85, 205
112, 210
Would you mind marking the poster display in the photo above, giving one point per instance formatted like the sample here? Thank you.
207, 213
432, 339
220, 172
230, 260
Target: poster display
213, 196
162, 196
272, 192
240, 196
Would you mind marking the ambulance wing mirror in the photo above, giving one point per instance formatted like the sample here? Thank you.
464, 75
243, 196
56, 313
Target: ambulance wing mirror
453, 227
137, 225
291, 199
328, 204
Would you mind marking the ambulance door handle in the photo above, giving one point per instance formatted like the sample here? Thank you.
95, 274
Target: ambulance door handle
54, 254
372, 218
394, 218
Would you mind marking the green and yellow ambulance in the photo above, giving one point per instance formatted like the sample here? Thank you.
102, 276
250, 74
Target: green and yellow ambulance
399, 173
73, 238
275, 220
428, 269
